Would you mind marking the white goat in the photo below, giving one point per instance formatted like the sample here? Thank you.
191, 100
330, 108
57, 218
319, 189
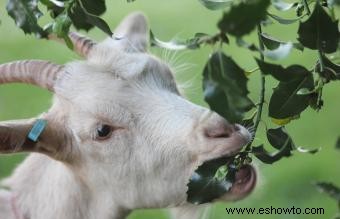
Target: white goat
119, 136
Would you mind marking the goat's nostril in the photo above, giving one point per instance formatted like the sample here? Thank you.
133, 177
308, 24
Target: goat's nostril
221, 131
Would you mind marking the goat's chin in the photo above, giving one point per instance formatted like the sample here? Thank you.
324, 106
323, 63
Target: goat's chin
245, 181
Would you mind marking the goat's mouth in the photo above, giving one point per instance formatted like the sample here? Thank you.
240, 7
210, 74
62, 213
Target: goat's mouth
244, 184
209, 184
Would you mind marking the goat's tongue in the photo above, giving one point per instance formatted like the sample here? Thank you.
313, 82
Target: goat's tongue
245, 180
243, 174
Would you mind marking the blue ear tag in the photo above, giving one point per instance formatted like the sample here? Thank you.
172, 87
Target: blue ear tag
37, 129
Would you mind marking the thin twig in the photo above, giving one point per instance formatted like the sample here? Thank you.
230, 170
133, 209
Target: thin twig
263, 89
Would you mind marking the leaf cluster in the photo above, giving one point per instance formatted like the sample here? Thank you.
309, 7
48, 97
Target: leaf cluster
82, 14
298, 88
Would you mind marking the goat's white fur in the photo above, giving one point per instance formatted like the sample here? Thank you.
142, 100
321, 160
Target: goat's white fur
146, 163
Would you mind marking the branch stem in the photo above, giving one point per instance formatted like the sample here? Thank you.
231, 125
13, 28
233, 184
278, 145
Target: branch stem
262, 91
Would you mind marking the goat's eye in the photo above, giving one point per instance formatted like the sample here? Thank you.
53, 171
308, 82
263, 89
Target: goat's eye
104, 132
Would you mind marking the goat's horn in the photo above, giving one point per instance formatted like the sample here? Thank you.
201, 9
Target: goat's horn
81, 44
40, 73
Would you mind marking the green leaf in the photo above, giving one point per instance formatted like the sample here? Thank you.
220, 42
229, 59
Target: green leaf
279, 138
285, 102
210, 182
330, 189
216, 4
26, 14
284, 20
61, 27
283, 6
225, 87
253, 12
319, 32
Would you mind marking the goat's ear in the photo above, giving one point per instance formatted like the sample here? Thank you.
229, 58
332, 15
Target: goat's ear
132, 33
14, 137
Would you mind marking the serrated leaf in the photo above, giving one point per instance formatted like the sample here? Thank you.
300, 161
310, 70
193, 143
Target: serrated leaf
204, 186
225, 87
330, 189
319, 31
26, 14
283, 6
237, 25
84, 14
284, 20
216, 4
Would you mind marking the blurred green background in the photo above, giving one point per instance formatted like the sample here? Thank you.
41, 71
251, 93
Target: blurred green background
285, 184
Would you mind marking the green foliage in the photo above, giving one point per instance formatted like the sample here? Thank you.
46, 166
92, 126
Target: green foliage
285, 101
210, 181
280, 140
319, 32
225, 87
224, 81
26, 15
83, 14
236, 25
